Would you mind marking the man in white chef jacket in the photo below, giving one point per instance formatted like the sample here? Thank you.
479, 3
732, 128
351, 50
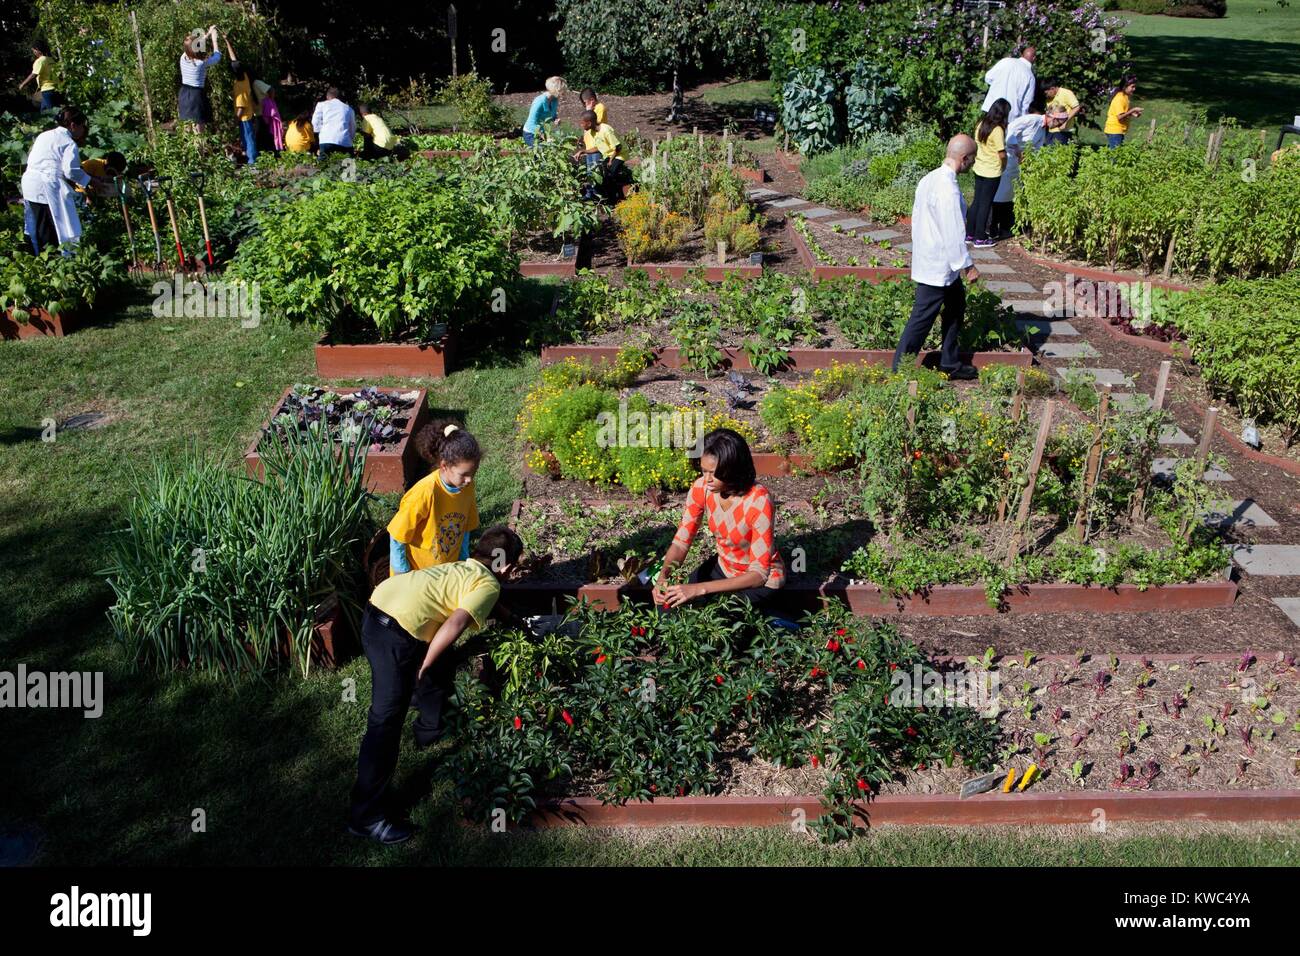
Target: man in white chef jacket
1012, 79
940, 259
53, 169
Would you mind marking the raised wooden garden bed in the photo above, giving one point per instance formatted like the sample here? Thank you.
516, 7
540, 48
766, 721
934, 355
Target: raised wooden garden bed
824, 271
1100, 275
388, 470
40, 324
567, 269
1022, 809
801, 359
384, 360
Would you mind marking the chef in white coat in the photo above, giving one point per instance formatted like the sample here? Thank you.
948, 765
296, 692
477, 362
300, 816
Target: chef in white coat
1023, 133
1012, 79
53, 169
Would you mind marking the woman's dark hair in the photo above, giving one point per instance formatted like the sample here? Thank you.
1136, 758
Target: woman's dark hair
498, 539
1125, 81
115, 160
735, 467
587, 94
41, 47
435, 446
303, 118
70, 116
996, 116
239, 70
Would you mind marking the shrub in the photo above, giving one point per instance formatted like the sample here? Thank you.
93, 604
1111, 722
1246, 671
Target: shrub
733, 225
386, 260
648, 231
216, 571
53, 282
686, 176
479, 112
1243, 335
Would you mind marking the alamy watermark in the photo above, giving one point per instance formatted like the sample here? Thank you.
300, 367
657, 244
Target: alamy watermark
657, 429
925, 687
78, 690
1075, 296
189, 299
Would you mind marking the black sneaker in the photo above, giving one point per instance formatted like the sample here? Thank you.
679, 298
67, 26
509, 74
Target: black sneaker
387, 832
962, 373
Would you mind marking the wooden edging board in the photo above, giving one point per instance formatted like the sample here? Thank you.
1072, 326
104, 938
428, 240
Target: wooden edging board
40, 324
872, 274
384, 359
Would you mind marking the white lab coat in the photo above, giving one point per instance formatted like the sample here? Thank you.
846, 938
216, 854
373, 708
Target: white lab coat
53, 166
1026, 132
1011, 79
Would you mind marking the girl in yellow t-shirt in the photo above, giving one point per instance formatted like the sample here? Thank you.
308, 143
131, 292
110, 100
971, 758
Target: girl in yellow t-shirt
1121, 111
990, 161
299, 137
438, 512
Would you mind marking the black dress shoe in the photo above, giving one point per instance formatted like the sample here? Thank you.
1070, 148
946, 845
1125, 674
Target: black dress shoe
964, 373
386, 832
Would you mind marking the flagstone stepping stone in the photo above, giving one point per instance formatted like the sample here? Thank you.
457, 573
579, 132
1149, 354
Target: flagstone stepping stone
1100, 376
1036, 307
880, 235
817, 213
1069, 350
992, 268
1173, 435
990, 254
852, 223
1274, 560
1046, 327
1133, 401
787, 202
762, 193
999, 285
1164, 468
904, 246
1226, 514
1290, 607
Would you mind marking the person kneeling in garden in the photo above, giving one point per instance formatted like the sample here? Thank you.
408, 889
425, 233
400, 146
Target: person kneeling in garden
601, 150
740, 513
407, 633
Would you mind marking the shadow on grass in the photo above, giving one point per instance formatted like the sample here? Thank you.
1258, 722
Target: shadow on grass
1228, 77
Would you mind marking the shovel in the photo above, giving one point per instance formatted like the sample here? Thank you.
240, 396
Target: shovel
203, 216
120, 183
148, 186
176, 233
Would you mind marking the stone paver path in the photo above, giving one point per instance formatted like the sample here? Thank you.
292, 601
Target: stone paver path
1276, 560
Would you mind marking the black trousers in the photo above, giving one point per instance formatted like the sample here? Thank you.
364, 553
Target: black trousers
395, 658
326, 148
1004, 218
370, 151
930, 299
761, 597
43, 221
977, 216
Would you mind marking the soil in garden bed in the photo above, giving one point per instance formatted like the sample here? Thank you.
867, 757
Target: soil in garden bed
337, 406
854, 248
574, 541
606, 253
1084, 726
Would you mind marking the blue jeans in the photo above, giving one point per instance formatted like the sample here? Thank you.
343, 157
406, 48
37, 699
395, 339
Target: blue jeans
1056, 137
249, 128
1113, 140
529, 138
49, 99
29, 226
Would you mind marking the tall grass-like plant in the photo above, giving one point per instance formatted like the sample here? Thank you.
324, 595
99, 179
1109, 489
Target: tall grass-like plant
217, 571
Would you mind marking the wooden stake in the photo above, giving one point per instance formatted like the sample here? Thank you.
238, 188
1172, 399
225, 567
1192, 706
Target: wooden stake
1157, 403
1202, 453
1169, 254
1017, 409
1035, 462
911, 405
722, 252
144, 84
1151, 133
1093, 469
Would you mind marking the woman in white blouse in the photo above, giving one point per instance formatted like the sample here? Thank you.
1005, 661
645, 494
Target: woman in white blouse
53, 169
192, 97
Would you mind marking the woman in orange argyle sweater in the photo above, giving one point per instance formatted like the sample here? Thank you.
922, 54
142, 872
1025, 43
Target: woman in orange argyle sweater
740, 513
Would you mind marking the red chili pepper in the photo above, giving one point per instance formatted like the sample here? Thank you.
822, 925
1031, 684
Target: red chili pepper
681, 791
654, 788
568, 718
911, 731
862, 665
814, 672
519, 724
862, 784
917, 454
832, 645
920, 766
814, 761
840, 632
718, 679
893, 666
749, 697
600, 659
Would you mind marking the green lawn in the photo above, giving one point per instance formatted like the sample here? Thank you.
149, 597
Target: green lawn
1245, 65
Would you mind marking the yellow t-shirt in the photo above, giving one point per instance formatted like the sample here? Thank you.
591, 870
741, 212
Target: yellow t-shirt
1064, 99
375, 127
1119, 104
245, 105
599, 110
92, 167
422, 600
431, 521
603, 138
987, 163
299, 139
43, 67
